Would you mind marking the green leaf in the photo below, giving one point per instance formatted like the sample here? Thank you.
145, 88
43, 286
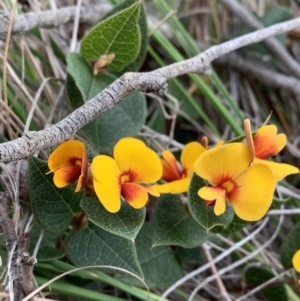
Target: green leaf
235, 225
276, 14
290, 245
258, 275
160, 267
190, 256
135, 66
173, 225
125, 223
47, 250
85, 81
94, 246
124, 119
119, 34
53, 207
202, 213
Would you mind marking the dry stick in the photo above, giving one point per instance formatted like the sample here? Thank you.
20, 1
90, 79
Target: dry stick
223, 292
155, 81
274, 46
261, 73
50, 19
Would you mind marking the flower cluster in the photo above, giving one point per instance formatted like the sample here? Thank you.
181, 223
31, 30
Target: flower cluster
238, 173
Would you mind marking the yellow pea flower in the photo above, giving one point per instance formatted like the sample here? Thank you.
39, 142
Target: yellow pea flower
179, 177
249, 189
268, 143
69, 163
134, 165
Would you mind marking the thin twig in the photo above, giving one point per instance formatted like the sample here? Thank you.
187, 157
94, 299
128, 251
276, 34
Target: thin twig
49, 19
223, 292
274, 45
261, 73
75, 26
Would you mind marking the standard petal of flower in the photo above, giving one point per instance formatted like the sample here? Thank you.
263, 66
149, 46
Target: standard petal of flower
135, 194
178, 186
66, 175
253, 193
296, 261
66, 154
216, 194
170, 168
189, 154
223, 162
107, 182
279, 170
267, 143
134, 156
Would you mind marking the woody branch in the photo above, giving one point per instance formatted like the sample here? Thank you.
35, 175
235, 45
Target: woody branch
155, 81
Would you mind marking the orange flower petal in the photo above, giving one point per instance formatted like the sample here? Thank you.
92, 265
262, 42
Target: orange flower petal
66, 154
170, 168
133, 155
214, 193
174, 187
253, 193
296, 261
189, 154
135, 194
66, 175
107, 183
279, 170
267, 143
223, 162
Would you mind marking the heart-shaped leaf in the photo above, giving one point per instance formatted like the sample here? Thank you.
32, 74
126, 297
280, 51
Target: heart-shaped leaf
125, 223
94, 246
173, 225
119, 34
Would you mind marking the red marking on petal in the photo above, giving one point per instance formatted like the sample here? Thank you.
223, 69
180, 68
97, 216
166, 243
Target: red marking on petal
73, 174
128, 176
209, 203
